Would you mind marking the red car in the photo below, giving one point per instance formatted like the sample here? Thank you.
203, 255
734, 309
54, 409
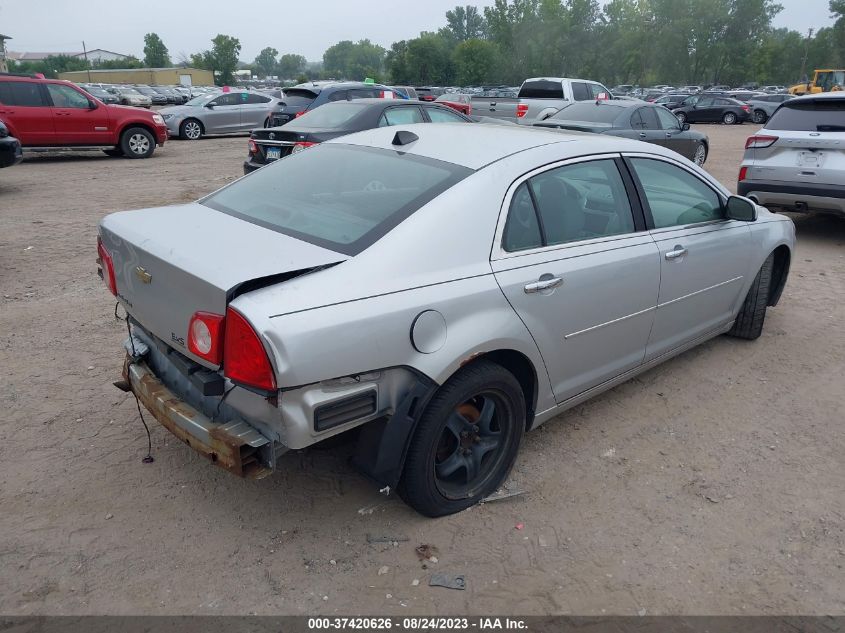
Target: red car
461, 103
52, 114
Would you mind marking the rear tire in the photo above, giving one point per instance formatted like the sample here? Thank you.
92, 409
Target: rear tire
137, 142
466, 441
759, 117
749, 321
729, 118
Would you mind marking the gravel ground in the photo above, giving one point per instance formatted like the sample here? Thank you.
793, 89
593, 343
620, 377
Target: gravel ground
713, 484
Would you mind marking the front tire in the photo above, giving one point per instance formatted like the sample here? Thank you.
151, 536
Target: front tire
729, 118
137, 142
759, 117
682, 117
191, 130
749, 321
466, 441
700, 156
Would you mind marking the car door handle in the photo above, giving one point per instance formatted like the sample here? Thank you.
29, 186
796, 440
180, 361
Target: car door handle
643, 135
543, 284
679, 251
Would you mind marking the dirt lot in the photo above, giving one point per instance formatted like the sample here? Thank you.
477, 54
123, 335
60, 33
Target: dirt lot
712, 484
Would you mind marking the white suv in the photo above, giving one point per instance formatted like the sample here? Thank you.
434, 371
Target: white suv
797, 161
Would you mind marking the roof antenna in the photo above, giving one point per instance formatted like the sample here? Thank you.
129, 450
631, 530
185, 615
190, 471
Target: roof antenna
404, 137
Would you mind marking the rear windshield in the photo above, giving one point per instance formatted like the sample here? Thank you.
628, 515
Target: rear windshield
340, 197
300, 94
541, 89
331, 115
589, 111
817, 115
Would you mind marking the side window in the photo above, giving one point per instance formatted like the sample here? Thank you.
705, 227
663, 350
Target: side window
650, 118
582, 201
6, 93
723, 102
67, 97
254, 98
596, 90
401, 116
676, 197
705, 103
580, 91
226, 100
340, 95
668, 121
442, 115
26, 94
637, 122
364, 93
522, 231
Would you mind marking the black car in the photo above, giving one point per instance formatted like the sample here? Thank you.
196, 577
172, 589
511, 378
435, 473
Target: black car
632, 119
303, 98
100, 93
10, 148
427, 93
672, 100
338, 119
156, 97
714, 109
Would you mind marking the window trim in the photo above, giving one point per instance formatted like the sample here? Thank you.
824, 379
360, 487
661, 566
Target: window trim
649, 219
401, 106
498, 251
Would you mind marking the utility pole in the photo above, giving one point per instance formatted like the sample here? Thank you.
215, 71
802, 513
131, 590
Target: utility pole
806, 52
87, 65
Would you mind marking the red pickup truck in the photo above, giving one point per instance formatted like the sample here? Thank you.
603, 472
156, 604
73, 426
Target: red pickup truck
49, 114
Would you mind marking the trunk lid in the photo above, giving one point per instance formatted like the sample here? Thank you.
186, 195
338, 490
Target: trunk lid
577, 126
170, 262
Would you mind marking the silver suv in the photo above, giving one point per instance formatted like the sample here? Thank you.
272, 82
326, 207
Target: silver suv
797, 161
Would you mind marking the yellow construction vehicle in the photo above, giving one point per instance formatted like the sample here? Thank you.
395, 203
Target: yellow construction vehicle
823, 81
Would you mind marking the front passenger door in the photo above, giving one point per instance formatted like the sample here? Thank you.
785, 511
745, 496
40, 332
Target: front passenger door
703, 256
574, 263
225, 116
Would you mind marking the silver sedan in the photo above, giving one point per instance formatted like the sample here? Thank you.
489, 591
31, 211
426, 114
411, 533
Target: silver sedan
440, 289
218, 113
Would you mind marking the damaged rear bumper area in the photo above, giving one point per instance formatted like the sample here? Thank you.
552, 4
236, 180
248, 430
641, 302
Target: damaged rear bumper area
235, 445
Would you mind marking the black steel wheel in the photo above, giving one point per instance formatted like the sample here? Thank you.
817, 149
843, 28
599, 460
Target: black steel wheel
466, 441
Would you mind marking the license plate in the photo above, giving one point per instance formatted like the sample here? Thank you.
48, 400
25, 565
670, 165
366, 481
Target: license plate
810, 159
273, 153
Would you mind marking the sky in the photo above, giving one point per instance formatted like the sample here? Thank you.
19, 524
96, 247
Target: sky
292, 26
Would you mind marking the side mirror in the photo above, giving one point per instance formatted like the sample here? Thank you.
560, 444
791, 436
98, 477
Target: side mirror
92, 105
742, 209
210, 105
685, 126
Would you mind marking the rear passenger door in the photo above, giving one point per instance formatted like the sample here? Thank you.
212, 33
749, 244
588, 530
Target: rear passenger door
704, 257
26, 110
645, 125
573, 259
255, 110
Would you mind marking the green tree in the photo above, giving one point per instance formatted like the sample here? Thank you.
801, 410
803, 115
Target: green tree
429, 60
221, 59
350, 60
465, 23
132, 62
156, 54
476, 62
51, 65
291, 65
265, 62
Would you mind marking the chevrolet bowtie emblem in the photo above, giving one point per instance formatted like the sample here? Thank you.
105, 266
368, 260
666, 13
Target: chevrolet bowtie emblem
272, 135
142, 274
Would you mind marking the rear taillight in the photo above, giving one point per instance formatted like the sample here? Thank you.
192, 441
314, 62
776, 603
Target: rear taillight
301, 145
245, 360
746, 108
253, 148
760, 141
205, 336
521, 110
743, 172
298, 114
106, 267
